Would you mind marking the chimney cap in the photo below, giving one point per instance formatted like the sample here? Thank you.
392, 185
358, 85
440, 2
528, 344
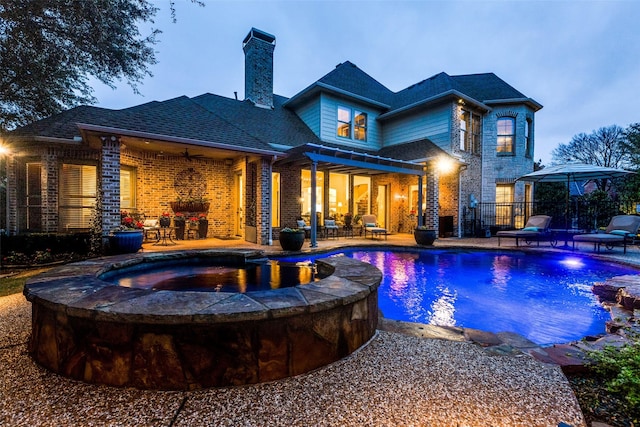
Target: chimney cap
259, 34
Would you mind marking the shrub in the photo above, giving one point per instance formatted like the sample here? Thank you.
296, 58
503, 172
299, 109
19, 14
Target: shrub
621, 368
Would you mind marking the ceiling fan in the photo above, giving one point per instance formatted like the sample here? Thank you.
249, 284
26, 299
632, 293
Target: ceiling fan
190, 156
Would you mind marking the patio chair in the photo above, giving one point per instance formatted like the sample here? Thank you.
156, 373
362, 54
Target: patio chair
535, 230
622, 229
151, 228
370, 225
331, 228
301, 224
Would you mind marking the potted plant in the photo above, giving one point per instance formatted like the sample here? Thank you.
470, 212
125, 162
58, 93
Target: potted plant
179, 224
165, 219
128, 237
291, 239
190, 204
203, 225
424, 236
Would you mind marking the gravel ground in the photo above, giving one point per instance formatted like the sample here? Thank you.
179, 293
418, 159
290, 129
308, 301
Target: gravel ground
396, 380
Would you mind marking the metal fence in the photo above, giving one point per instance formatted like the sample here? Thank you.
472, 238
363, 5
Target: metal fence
581, 214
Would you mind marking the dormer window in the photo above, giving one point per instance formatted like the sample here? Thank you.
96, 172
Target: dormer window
345, 123
360, 129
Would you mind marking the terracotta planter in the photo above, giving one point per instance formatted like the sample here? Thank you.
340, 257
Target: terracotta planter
126, 242
292, 240
424, 237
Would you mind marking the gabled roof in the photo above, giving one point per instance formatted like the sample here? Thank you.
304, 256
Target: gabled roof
206, 119
348, 77
215, 120
349, 80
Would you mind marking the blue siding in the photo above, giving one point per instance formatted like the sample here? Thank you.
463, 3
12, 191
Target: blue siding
309, 113
434, 124
328, 132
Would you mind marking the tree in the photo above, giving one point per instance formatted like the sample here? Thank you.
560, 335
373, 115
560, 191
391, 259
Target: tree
632, 144
630, 190
49, 49
603, 147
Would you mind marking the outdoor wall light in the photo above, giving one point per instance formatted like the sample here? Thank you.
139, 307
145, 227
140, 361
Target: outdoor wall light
445, 165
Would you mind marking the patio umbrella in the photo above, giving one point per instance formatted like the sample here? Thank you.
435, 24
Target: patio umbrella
573, 172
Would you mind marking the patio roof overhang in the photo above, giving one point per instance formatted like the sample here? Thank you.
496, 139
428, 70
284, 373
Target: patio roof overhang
146, 141
338, 160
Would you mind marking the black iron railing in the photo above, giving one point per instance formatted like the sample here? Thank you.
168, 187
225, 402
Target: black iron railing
581, 214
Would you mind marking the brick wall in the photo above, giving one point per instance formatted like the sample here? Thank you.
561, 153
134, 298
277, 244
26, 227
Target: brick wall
291, 185
156, 186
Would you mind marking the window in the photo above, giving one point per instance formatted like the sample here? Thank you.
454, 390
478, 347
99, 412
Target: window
275, 199
506, 135
359, 124
361, 195
127, 188
77, 196
344, 122
528, 148
463, 130
34, 197
360, 128
476, 130
305, 196
338, 195
470, 127
504, 204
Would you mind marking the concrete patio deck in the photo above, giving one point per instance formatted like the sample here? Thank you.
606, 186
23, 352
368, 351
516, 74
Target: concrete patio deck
431, 378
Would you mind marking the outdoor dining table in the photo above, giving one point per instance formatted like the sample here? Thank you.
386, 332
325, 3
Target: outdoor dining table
166, 237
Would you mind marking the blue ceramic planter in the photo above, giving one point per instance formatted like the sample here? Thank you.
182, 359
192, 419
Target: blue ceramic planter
126, 242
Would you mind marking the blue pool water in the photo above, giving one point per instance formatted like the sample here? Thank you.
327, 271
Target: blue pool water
544, 297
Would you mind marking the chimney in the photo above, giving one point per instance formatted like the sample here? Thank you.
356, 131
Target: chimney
258, 49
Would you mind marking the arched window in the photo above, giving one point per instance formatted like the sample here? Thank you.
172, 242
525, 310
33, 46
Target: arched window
506, 135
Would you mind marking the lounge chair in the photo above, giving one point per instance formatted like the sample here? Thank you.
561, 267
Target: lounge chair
535, 230
370, 225
622, 229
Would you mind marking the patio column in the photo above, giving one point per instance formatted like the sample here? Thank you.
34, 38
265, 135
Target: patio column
109, 185
49, 193
314, 218
432, 196
420, 197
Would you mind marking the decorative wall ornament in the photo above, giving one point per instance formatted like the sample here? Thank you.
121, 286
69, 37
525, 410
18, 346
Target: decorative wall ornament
190, 184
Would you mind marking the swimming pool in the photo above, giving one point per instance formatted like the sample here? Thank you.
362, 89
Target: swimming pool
544, 297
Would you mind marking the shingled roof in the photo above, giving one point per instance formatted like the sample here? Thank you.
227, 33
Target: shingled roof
217, 119
206, 118
278, 126
350, 79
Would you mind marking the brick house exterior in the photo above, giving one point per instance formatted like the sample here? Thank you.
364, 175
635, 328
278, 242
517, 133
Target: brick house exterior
243, 156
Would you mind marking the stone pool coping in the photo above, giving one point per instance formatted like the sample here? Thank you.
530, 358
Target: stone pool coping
91, 330
78, 289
